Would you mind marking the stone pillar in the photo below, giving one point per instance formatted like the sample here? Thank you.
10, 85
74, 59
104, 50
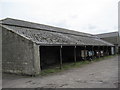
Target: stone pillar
37, 68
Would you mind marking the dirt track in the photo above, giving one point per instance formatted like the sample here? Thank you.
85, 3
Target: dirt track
102, 74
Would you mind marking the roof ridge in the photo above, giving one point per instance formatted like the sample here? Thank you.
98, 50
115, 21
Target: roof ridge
108, 33
48, 30
53, 28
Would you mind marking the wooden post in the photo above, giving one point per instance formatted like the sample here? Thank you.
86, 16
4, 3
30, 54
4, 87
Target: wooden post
103, 51
85, 52
107, 51
61, 57
99, 50
75, 54
92, 52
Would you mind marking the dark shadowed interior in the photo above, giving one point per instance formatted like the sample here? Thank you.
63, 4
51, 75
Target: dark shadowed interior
49, 55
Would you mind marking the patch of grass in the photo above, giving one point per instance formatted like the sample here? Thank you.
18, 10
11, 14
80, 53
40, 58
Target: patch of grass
102, 58
50, 70
66, 66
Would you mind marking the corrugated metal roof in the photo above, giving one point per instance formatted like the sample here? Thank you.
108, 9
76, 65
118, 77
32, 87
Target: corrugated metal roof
44, 35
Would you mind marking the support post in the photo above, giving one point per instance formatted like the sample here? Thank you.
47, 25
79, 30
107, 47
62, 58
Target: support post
85, 52
75, 54
61, 57
103, 51
92, 52
99, 51
36, 57
107, 51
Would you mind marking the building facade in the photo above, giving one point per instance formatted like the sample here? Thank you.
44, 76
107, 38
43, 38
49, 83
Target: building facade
28, 48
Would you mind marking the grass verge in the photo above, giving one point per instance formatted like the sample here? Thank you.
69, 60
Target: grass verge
66, 66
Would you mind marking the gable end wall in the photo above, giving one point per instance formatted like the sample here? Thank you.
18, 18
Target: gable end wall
17, 54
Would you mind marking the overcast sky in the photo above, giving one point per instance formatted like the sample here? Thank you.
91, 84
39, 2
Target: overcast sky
90, 16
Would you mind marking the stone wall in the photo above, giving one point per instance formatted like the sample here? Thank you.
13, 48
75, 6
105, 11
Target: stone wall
18, 54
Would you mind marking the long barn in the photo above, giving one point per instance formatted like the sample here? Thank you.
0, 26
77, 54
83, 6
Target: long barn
28, 48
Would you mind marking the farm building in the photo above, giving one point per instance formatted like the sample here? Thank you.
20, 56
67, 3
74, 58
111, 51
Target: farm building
29, 47
111, 37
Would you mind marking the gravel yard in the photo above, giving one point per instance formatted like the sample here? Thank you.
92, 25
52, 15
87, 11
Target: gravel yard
102, 74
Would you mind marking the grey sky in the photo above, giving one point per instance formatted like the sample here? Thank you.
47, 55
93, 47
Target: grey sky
90, 16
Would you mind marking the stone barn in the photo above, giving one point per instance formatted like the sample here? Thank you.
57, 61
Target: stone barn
111, 37
28, 48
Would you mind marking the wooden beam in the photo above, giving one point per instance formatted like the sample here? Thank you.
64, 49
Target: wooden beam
75, 54
61, 57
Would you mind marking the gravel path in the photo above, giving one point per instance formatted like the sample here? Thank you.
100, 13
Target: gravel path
102, 74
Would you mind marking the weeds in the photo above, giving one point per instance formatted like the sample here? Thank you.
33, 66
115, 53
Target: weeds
66, 66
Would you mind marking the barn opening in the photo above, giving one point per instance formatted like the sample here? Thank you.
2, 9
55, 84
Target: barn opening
67, 54
49, 55
78, 53
90, 52
111, 50
105, 50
